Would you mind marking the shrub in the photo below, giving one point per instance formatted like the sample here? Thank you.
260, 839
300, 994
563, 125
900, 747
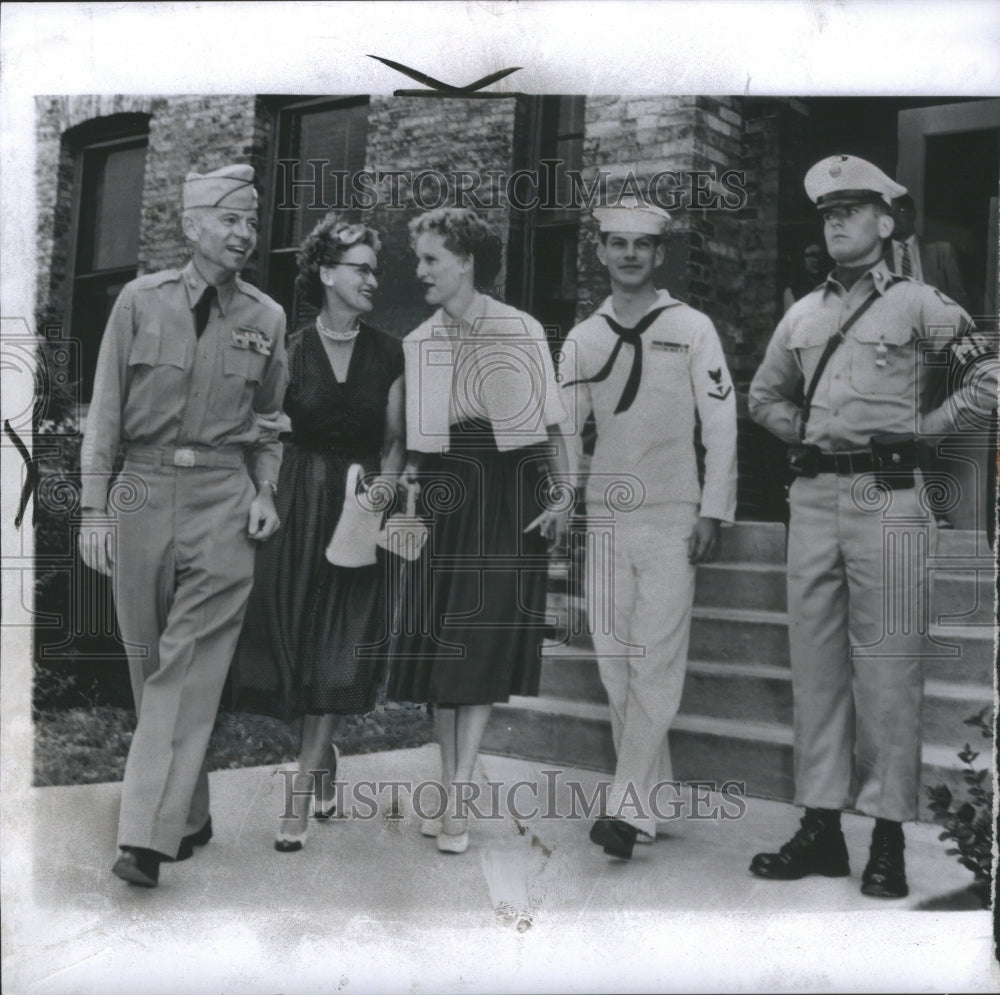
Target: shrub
969, 823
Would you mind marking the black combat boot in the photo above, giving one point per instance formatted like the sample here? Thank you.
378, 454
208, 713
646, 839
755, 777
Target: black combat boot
817, 848
885, 874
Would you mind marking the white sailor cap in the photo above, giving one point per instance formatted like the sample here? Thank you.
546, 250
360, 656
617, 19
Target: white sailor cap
230, 186
846, 179
632, 217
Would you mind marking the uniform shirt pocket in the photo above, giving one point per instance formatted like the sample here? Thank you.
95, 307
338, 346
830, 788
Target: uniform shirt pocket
157, 369
882, 360
808, 340
242, 374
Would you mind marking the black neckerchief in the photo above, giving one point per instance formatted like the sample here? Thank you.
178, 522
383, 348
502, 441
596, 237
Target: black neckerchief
633, 336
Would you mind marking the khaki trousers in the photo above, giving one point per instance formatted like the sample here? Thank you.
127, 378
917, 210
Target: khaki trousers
640, 590
858, 619
183, 575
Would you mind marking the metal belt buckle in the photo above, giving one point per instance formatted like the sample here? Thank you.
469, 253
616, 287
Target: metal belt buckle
184, 457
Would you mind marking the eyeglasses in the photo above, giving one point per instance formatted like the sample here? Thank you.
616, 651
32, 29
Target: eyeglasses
364, 269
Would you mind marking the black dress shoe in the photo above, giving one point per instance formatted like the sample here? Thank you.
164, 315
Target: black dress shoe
189, 842
617, 837
138, 865
885, 872
817, 848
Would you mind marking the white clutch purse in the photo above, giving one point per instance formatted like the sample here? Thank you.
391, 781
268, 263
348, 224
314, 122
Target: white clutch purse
405, 535
357, 533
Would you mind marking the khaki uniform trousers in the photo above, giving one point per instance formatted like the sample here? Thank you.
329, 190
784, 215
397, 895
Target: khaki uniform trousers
858, 617
183, 575
640, 590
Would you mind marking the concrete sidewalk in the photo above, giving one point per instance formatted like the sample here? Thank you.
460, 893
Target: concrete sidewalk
371, 906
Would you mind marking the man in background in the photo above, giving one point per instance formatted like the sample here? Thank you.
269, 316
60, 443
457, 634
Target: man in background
933, 263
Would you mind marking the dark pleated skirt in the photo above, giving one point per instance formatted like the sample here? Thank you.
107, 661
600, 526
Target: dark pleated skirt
315, 635
471, 614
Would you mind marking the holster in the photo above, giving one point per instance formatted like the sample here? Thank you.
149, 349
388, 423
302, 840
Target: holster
803, 459
895, 458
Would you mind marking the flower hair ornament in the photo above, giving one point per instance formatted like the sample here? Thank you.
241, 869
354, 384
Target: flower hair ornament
349, 234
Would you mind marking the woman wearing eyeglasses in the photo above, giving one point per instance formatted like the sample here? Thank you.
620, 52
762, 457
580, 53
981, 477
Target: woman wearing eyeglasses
482, 412
307, 617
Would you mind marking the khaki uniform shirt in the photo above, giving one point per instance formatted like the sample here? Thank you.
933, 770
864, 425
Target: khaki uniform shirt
884, 377
158, 384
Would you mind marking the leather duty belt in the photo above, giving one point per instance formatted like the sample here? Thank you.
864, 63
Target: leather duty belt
845, 464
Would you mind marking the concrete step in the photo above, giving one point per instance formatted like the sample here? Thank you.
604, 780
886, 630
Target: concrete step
703, 748
571, 674
946, 707
739, 635
566, 733
761, 693
963, 596
755, 586
957, 595
754, 692
753, 542
959, 653
964, 542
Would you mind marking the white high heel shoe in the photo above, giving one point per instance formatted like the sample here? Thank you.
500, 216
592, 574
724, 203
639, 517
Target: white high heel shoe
454, 836
285, 842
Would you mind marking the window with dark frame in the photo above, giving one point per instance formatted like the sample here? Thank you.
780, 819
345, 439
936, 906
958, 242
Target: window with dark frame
320, 144
107, 208
542, 275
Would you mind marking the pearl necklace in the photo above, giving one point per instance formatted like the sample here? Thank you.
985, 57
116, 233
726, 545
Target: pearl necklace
346, 336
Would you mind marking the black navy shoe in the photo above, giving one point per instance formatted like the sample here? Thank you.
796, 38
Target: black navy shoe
617, 837
138, 865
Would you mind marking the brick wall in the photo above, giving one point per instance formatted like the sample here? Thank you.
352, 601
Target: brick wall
415, 134
188, 133
723, 260
715, 266
645, 135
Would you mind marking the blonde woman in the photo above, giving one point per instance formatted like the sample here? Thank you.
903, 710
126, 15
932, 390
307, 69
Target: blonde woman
485, 449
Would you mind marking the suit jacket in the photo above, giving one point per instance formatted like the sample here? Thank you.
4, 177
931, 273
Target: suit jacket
939, 266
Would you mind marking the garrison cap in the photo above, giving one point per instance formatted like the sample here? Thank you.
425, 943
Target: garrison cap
632, 217
846, 179
230, 186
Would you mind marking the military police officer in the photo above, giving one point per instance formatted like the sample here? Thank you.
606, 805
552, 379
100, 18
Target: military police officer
846, 380
187, 358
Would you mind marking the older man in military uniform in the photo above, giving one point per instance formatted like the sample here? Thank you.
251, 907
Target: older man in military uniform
647, 366
847, 381
187, 359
